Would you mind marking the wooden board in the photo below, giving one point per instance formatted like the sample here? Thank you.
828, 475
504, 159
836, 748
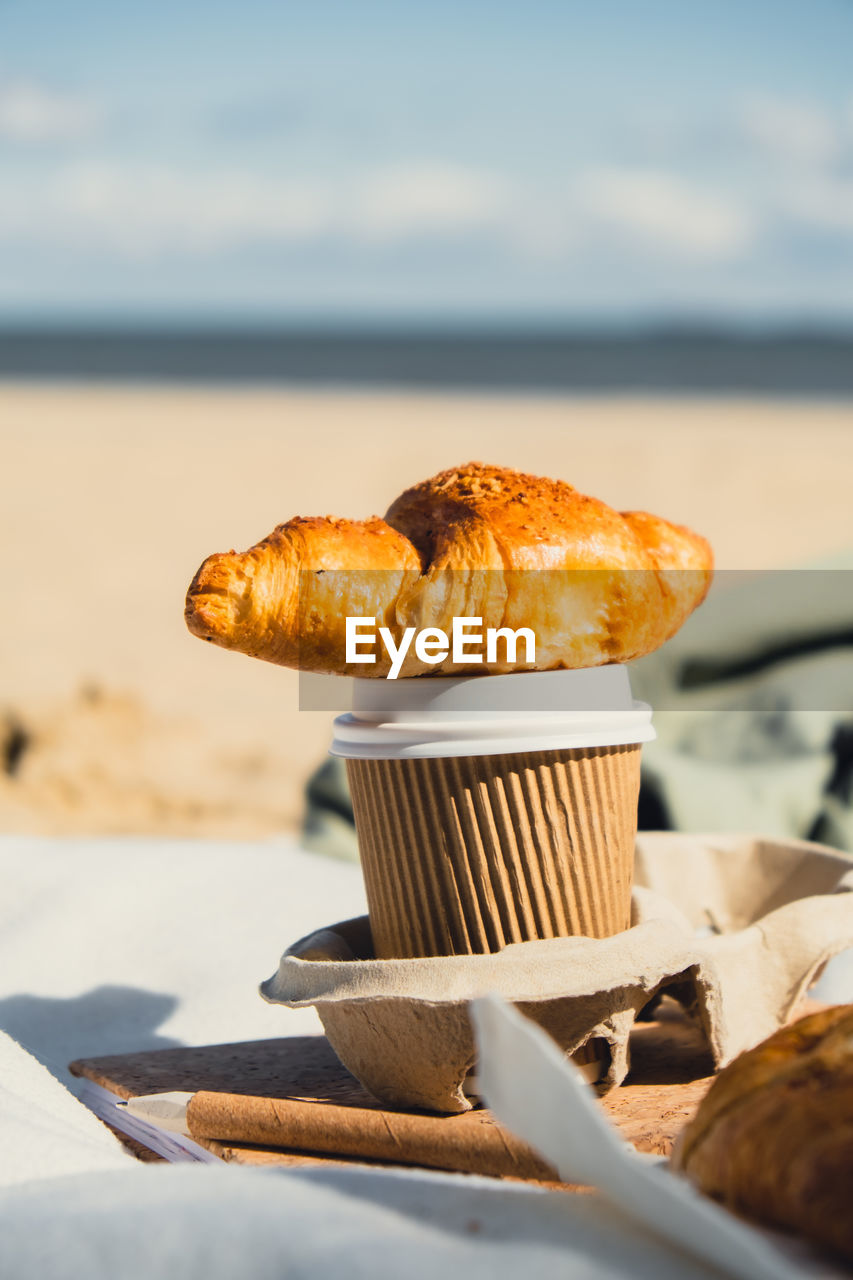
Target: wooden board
671, 1071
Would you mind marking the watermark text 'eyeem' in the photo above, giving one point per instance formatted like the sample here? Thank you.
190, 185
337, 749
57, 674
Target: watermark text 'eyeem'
467, 643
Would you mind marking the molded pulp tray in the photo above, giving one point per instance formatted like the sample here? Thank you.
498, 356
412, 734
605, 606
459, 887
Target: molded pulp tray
734, 927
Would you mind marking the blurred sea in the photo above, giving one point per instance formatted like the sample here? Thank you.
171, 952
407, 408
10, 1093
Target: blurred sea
652, 361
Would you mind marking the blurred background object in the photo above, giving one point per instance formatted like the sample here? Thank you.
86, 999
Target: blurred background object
267, 259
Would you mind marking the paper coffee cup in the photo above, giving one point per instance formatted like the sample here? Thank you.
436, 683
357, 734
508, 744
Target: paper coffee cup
496, 809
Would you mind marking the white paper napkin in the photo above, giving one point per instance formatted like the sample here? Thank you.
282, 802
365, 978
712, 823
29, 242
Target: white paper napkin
534, 1091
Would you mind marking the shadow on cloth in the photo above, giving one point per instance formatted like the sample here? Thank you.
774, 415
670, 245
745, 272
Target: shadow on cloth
104, 1020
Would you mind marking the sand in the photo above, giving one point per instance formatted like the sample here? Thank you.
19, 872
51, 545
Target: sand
113, 718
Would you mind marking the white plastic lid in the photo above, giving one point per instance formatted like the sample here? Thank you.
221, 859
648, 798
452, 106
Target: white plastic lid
491, 715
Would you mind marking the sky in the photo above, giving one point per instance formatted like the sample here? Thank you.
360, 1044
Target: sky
468, 160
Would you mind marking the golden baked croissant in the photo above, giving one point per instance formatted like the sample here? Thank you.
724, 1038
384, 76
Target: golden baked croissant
773, 1137
517, 551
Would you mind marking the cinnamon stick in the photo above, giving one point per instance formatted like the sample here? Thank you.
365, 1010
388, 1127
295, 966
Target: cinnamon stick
470, 1143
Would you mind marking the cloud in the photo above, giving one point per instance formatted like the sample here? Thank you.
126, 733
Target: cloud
665, 212
145, 210
429, 200
31, 113
792, 131
811, 185
749, 205
148, 211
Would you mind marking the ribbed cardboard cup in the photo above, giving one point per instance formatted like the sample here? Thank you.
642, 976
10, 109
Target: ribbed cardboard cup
464, 851
465, 855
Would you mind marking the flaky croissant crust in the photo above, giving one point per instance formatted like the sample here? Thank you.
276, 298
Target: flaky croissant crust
595, 585
773, 1138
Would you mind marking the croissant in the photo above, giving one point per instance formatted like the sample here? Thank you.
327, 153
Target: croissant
516, 551
773, 1137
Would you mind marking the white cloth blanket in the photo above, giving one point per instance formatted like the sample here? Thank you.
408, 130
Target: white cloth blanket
107, 946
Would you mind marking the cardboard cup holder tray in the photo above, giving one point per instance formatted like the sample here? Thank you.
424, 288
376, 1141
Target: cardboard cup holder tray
735, 928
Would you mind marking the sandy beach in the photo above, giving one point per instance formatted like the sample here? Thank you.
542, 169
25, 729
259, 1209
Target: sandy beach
113, 718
